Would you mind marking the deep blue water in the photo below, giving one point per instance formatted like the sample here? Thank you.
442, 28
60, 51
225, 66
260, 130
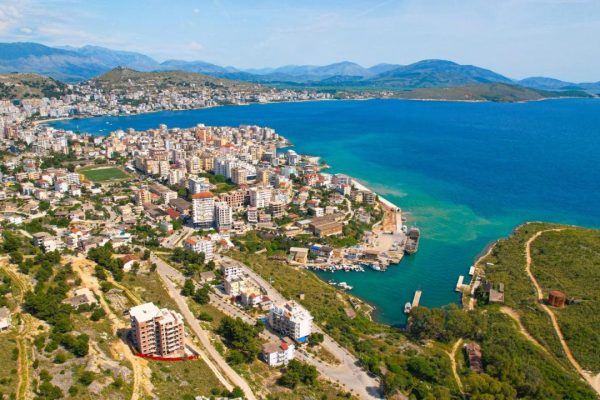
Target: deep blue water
468, 173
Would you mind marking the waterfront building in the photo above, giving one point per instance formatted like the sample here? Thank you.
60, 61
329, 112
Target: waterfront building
156, 331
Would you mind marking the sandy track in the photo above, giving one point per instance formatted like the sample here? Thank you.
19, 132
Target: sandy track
23, 338
452, 355
517, 318
141, 372
594, 382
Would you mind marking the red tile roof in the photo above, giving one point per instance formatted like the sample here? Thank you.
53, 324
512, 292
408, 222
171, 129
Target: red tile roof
173, 213
203, 195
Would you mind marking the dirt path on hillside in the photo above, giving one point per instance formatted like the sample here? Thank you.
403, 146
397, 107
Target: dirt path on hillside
517, 318
24, 336
452, 355
593, 381
141, 382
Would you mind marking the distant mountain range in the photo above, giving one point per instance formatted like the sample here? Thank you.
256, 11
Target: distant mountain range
70, 64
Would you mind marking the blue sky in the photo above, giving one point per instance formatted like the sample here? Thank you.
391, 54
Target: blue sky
518, 38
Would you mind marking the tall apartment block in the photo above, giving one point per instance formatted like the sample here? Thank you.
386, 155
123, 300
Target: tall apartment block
156, 331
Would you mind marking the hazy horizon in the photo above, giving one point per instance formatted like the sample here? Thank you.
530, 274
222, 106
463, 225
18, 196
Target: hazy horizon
518, 39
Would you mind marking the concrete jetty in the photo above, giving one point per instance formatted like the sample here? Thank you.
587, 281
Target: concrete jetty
416, 299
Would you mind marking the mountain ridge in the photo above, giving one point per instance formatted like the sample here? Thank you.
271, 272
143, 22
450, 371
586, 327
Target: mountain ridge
72, 64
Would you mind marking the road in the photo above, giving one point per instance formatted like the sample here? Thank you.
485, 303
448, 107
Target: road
213, 359
593, 382
348, 372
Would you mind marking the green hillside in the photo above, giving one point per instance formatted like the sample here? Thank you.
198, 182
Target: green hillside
126, 78
24, 86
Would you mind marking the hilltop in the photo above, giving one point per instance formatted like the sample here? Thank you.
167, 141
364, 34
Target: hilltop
23, 86
498, 92
122, 78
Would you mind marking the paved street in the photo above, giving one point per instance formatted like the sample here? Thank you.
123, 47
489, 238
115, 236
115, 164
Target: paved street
348, 372
171, 275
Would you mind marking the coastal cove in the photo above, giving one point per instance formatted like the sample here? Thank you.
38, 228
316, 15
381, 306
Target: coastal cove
467, 173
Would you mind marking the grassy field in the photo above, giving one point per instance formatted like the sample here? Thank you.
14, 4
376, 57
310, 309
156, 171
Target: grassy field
172, 380
103, 173
508, 259
566, 260
569, 261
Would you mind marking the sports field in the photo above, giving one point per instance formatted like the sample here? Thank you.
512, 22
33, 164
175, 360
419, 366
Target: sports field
103, 173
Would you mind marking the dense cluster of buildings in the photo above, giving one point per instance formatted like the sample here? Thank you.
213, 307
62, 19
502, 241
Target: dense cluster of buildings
93, 99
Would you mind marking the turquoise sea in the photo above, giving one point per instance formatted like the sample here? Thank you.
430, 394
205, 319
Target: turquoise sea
467, 173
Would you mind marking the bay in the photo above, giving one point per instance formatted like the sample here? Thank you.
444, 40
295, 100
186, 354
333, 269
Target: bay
467, 173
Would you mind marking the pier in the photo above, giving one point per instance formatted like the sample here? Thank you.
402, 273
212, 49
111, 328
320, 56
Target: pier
416, 299
459, 284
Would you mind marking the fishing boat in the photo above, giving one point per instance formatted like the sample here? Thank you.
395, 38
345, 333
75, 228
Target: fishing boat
407, 307
412, 242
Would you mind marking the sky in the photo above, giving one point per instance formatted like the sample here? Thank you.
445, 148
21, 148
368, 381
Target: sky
517, 38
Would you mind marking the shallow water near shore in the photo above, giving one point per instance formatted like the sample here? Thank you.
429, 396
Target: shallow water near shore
467, 173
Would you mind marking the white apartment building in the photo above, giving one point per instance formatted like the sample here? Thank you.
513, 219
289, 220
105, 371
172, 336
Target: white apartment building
198, 185
203, 209
260, 197
156, 331
291, 319
231, 270
200, 246
276, 354
223, 215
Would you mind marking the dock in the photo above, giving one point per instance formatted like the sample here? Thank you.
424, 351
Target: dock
416, 299
459, 284
472, 270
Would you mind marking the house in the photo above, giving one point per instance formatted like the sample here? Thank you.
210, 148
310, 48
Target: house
128, 261
474, 355
207, 276
80, 297
5, 321
299, 255
278, 353
47, 242
321, 251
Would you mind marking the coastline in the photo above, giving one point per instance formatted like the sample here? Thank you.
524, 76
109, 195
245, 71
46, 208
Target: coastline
49, 120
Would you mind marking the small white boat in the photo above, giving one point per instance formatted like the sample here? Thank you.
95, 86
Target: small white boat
407, 307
